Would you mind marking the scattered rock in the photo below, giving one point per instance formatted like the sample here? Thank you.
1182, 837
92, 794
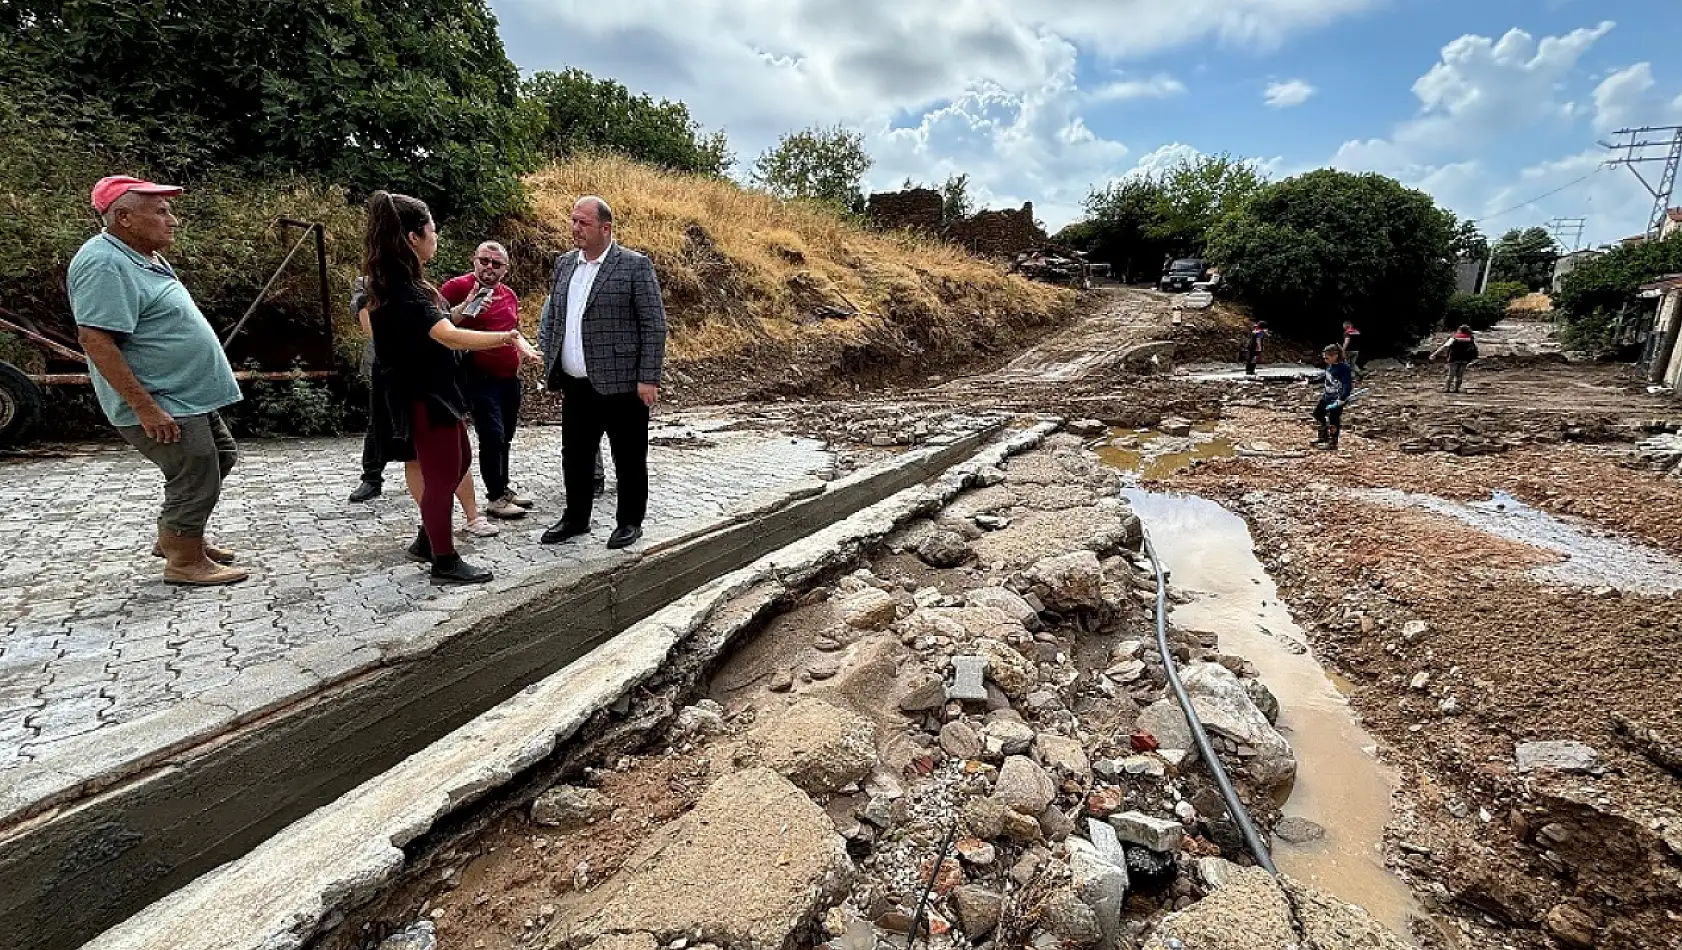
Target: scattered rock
983, 818
1166, 724
1175, 427
1227, 710
1157, 834
944, 549
975, 851
991, 522
1414, 628
1331, 924
1420, 681
1004, 601
1008, 668
1572, 925
1071, 581
823, 667
421, 935
1247, 913
1064, 755
1148, 765
1055, 825
925, 694
1298, 830
1025, 787
959, 740
817, 746
570, 808
1560, 755
1264, 699
771, 859
1020, 827
1002, 736
1067, 916
781, 681
1215, 872
868, 609
978, 909
705, 718
1087, 428
1150, 871
1103, 802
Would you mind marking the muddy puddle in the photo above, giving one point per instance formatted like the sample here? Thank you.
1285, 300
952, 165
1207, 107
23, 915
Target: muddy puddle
1341, 785
1588, 557
1153, 455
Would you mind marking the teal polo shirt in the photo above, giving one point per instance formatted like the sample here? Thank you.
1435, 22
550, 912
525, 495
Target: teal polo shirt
167, 342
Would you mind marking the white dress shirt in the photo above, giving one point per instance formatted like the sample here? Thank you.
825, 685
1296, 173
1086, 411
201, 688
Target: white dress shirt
578, 294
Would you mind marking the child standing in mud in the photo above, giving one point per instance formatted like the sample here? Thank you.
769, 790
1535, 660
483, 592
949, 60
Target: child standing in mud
1339, 382
1461, 348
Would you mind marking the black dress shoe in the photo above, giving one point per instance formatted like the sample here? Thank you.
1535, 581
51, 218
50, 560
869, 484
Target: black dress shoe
451, 569
624, 536
564, 530
367, 491
421, 548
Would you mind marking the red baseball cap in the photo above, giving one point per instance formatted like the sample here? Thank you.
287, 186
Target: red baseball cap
113, 187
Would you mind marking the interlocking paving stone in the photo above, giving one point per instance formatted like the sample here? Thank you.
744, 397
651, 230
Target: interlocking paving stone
93, 640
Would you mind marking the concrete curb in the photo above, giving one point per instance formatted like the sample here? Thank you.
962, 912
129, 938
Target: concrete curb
69, 872
303, 880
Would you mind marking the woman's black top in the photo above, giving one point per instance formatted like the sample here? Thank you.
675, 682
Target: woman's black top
412, 365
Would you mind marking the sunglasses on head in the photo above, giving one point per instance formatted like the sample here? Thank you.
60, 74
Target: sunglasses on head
491, 262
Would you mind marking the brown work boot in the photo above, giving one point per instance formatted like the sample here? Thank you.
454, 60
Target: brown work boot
187, 562
219, 555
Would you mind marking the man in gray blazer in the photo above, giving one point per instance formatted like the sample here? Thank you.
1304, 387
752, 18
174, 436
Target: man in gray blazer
603, 336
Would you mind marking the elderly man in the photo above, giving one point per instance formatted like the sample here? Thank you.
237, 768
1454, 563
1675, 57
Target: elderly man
603, 335
157, 368
481, 301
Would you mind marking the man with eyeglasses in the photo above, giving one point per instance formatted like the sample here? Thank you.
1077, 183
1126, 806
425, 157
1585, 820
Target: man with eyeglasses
157, 368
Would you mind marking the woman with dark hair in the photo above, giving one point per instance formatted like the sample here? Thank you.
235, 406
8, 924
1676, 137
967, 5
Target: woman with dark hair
414, 345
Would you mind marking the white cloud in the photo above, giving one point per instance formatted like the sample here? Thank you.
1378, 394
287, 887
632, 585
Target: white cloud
1629, 98
980, 86
1159, 86
1284, 95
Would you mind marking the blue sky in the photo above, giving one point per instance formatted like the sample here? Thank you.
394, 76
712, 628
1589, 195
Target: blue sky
1483, 103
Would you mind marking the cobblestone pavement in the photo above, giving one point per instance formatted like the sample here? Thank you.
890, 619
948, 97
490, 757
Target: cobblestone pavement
91, 638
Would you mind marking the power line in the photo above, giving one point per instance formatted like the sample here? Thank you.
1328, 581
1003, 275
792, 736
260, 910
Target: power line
1532, 201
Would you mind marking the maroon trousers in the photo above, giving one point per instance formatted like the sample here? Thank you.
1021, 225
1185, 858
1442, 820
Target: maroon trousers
444, 455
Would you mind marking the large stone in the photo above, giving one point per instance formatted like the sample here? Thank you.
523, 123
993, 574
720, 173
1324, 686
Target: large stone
1023, 786
959, 740
1298, 830
570, 808
817, 746
868, 609
1005, 601
925, 694
1067, 916
1063, 755
944, 549
1072, 581
1002, 736
1227, 710
1331, 924
1100, 883
1165, 723
1572, 926
1008, 668
978, 909
750, 867
1249, 912
1559, 755
1158, 834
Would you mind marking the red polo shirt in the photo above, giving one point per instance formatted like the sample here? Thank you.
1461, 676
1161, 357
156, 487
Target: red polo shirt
500, 314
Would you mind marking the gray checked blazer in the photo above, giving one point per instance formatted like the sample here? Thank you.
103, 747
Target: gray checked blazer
624, 322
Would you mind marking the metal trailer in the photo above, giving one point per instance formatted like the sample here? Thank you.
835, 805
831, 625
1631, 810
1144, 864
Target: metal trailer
23, 395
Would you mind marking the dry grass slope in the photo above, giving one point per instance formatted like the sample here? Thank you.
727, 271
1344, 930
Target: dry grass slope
748, 282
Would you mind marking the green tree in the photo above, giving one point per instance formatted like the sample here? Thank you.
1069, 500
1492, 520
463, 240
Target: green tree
414, 95
579, 113
1469, 242
1312, 251
1123, 227
1525, 257
818, 164
1196, 193
954, 198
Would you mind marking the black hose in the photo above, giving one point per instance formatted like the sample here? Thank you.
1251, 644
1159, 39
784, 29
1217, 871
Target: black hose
1230, 794
934, 874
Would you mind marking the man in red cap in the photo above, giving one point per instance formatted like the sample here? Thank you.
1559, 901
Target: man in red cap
158, 369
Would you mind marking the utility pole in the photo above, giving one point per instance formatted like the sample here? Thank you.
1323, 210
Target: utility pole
1560, 228
1658, 144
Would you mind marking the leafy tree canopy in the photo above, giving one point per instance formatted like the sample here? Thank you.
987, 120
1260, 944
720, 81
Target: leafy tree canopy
578, 113
818, 164
1312, 251
1195, 193
1526, 257
1610, 282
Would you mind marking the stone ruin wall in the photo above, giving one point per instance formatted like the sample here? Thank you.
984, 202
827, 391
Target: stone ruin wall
918, 209
1003, 233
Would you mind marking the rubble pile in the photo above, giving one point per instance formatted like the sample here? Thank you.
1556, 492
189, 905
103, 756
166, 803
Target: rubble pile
997, 233
1660, 453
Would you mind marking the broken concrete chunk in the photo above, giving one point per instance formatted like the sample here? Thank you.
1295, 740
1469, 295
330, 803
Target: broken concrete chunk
944, 549
1008, 668
1002, 736
1247, 913
1157, 834
817, 746
750, 867
570, 808
968, 679
924, 695
1063, 755
869, 609
1228, 711
1005, 601
421, 935
1071, 582
705, 718
1101, 835
1560, 755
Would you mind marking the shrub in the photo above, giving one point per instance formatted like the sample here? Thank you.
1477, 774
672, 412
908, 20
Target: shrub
1479, 311
1506, 291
